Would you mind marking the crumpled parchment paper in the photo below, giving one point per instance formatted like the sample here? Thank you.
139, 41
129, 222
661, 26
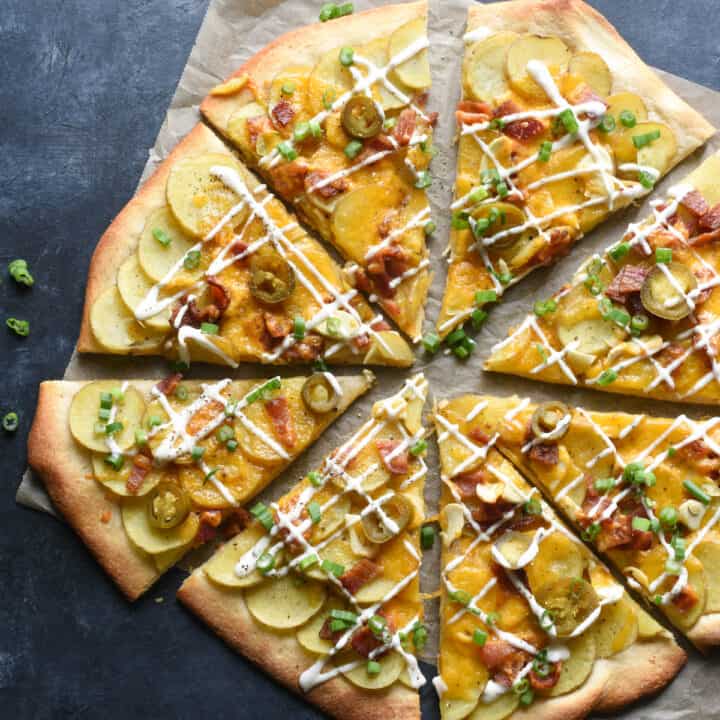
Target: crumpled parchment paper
233, 30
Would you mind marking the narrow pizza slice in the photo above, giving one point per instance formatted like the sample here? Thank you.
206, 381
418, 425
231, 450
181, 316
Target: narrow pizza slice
642, 489
334, 116
530, 619
205, 264
143, 472
643, 318
560, 124
321, 589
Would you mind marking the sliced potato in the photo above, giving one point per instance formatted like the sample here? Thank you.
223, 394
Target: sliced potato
389, 348
414, 72
340, 552
374, 591
376, 51
391, 665
116, 329
153, 540
164, 561
285, 602
237, 124
593, 70
484, 67
155, 258
626, 101
578, 666
327, 82
514, 550
708, 553
498, 709
659, 153
116, 481
309, 634
648, 627
84, 415
220, 568
331, 519
134, 285
594, 336
451, 709
199, 200
616, 628
558, 556
550, 50
296, 75
696, 579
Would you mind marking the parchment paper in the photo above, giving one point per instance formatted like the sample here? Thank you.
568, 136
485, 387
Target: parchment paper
232, 31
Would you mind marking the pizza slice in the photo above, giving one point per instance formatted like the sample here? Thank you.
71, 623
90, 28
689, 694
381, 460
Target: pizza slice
560, 124
322, 588
145, 471
334, 117
643, 318
531, 620
642, 489
205, 264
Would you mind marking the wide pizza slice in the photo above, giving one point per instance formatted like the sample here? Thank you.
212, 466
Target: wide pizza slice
642, 489
321, 589
560, 124
643, 318
334, 116
144, 471
205, 264
531, 620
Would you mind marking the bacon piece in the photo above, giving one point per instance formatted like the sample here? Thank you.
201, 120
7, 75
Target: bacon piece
236, 522
630, 279
399, 462
307, 350
388, 263
705, 238
219, 294
509, 107
194, 315
337, 186
405, 127
283, 113
615, 532
380, 143
168, 385
546, 683
277, 326
470, 112
525, 129
695, 203
256, 126
544, 453
698, 455
209, 523
686, 599
327, 634
380, 325
523, 521
364, 642
489, 513
238, 247
561, 240
711, 219
466, 482
502, 659
479, 436
141, 466
289, 177
279, 411
361, 573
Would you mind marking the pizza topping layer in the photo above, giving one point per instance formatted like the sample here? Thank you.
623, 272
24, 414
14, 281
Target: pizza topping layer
337, 559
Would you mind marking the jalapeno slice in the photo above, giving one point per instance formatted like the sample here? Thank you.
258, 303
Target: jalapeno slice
167, 505
398, 509
660, 293
546, 420
272, 280
319, 394
361, 118
568, 601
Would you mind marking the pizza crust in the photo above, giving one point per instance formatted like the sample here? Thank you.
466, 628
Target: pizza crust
705, 633
583, 28
68, 477
282, 657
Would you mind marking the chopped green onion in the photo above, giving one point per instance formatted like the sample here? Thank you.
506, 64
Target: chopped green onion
697, 492
140, 437
619, 251
431, 342
455, 337
338, 625
117, 394
640, 141
197, 452
541, 351
19, 327
663, 255
113, 427
619, 316
209, 328
232, 445
480, 637
429, 227
263, 515
328, 99
607, 377
10, 422
480, 226
301, 131
569, 121
332, 567
545, 151
478, 317
299, 328
627, 118
286, 149
389, 123
478, 195
527, 697
639, 322
373, 667
646, 179
377, 625
19, 272
225, 433
328, 12
657, 599
349, 618
315, 478
427, 537
265, 562
504, 278
104, 413
181, 393
521, 686
423, 180
532, 507
603, 485
418, 448
161, 236
547, 620
491, 175
288, 87
332, 325
543, 307
314, 512
115, 462
640, 523
502, 189
346, 56
497, 124
420, 636
460, 220
673, 567
308, 562
99, 428
460, 596
315, 129
352, 149
669, 516
491, 618
106, 400
153, 421
591, 532
607, 124
191, 260
678, 545
671, 451
485, 296
261, 392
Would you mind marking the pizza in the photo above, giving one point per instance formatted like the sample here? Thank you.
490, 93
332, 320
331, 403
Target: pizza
643, 318
205, 264
322, 588
334, 117
560, 124
641, 489
144, 471
530, 619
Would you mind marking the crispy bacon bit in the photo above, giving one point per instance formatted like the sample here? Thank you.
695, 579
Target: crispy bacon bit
509, 107
466, 482
711, 219
236, 523
283, 113
686, 599
337, 186
289, 177
502, 659
544, 453
699, 455
548, 682
489, 513
405, 127
194, 316
399, 462
525, 129
238, 247
277, 326
106, 516
630, 279
380, 325
380, 143
141, 466
386, 264
209, 523
616, 531
167, 385
364, 641
361, 573
469, 112
695, 203
561, 240
479, 436
307, 350
279, 411
256, 126
705, 238
524, 522
219, 294
327, 634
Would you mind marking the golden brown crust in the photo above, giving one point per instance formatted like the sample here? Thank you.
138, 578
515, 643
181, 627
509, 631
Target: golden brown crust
67, 473
582, 27
705, 633
282, 657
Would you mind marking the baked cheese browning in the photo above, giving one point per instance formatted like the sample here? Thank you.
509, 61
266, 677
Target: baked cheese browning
526, 610
224, 274
642, 318
349, 141
180, 457
336, 561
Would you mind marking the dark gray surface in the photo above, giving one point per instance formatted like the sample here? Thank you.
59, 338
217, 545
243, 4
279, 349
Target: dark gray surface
84, 85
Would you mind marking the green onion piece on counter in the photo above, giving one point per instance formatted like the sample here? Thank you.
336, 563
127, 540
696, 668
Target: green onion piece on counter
10, 422
19, 272
485, 296
427, 537
478, 317
431, 342
19, 327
